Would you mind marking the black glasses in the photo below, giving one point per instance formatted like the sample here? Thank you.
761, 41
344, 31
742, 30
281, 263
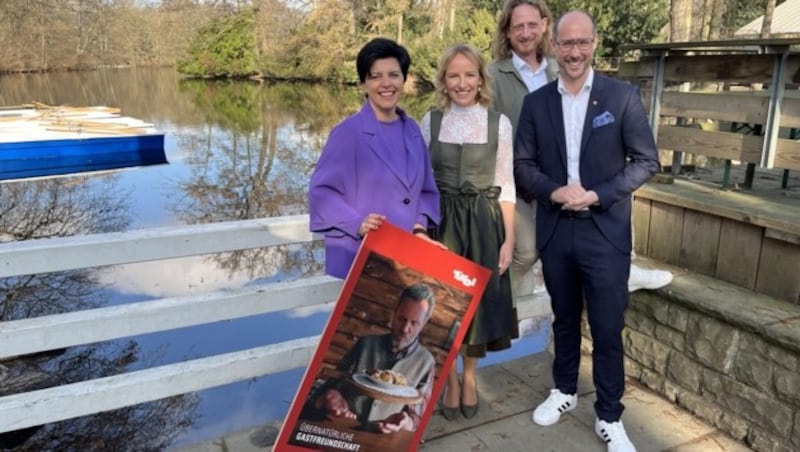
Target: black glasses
569, 44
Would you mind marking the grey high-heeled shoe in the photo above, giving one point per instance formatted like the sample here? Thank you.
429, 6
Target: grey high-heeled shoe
469, 411
450, 413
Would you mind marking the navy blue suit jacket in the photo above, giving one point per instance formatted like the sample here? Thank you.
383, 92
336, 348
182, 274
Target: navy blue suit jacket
618, 154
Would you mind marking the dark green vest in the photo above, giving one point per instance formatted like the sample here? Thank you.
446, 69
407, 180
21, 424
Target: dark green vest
468, 165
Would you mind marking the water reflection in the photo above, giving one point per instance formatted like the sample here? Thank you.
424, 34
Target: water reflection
253, 156
252, 160
53, 208
57, 208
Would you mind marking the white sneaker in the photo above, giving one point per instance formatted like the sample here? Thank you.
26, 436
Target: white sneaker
613, 433
556, 404
644, 278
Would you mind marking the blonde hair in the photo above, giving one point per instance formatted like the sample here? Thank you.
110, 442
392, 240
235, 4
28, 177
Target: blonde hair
484, 96
501, 45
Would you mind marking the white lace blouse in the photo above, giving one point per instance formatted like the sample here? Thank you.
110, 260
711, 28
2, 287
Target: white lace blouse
471, 125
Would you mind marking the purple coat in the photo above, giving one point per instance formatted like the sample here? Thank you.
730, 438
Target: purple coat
354, 178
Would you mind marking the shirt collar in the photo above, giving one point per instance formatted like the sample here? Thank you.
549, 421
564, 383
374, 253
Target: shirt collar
520, 64
406, 351
587, 85
542, 66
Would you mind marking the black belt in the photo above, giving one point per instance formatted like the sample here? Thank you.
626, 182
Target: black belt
575, 214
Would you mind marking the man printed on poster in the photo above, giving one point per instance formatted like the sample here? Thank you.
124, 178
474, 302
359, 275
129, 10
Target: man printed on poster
397, 323
395, 358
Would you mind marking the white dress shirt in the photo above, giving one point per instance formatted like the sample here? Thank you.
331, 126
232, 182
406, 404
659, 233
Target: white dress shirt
574, 107
533, 80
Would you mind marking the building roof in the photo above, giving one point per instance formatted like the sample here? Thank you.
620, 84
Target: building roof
785, 21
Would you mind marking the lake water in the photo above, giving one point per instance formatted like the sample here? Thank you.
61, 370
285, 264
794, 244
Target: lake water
237, 150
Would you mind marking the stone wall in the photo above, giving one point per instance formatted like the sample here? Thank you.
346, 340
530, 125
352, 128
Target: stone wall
726, 354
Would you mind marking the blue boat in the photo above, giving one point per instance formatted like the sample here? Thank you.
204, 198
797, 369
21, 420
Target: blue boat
36, 142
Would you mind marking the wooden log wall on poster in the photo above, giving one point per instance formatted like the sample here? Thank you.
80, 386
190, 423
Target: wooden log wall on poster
377, 373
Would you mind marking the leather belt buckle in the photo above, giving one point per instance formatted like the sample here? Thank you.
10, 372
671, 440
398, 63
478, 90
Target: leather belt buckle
575, 214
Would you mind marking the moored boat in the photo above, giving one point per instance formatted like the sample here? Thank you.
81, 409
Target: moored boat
38, 140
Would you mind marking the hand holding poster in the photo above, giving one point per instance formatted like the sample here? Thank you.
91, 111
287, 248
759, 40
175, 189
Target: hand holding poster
397, 326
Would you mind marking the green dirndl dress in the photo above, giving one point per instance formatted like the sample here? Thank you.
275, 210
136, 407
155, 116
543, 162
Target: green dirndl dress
472, 226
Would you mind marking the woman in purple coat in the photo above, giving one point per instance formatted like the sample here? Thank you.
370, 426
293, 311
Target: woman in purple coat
375, 165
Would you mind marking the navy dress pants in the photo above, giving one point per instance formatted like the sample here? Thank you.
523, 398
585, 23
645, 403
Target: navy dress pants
579, 264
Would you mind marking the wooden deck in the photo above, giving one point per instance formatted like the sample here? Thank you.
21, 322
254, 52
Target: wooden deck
508, 394
746, 236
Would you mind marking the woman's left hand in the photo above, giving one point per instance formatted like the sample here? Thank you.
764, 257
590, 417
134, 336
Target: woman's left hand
371, 223
506, 255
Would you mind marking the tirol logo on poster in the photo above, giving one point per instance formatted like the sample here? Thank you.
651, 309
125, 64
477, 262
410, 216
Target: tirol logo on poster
398, 323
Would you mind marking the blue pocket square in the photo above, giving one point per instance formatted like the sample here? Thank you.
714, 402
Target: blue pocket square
602, 120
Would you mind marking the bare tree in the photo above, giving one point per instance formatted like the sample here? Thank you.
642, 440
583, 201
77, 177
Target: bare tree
46, 35
680, 20
715, 23
766, 25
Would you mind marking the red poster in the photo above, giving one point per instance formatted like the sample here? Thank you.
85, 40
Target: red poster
378, 371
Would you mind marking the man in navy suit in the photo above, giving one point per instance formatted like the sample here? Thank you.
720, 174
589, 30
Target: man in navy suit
583, 146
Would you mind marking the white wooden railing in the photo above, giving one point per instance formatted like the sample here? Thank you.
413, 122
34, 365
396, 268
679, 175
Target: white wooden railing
21, 337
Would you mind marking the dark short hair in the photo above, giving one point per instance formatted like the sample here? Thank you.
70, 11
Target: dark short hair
378, 49
419, 292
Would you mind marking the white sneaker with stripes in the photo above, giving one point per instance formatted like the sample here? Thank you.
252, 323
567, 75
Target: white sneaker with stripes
556, 404
613, 433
